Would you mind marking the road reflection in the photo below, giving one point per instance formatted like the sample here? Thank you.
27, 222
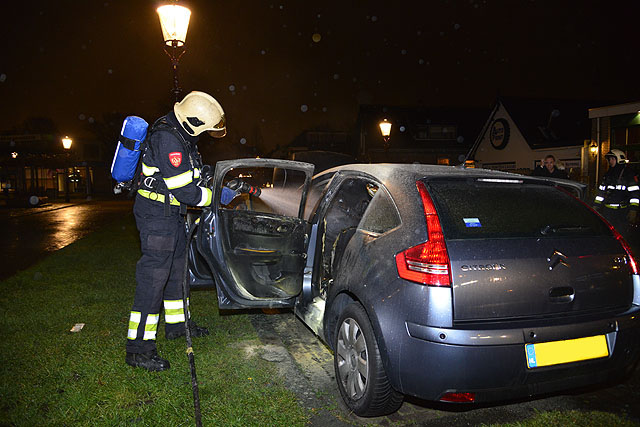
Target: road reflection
30, 235
64, 227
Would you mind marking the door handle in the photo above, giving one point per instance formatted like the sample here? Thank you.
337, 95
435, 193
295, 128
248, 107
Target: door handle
562, 294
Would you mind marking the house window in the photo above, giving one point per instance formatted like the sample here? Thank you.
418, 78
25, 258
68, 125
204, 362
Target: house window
442, 132
422, 134
443, 161
502, 166
436, 132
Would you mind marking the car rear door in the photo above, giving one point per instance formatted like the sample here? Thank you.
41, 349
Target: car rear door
256, 246
523, 249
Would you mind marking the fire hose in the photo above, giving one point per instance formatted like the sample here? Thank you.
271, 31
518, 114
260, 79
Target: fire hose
187, 329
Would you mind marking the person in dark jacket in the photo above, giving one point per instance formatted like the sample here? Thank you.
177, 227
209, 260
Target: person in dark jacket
171, 167
549, 169
618, 195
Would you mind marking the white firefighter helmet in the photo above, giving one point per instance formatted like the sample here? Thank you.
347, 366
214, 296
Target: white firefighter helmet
199, 112
618, 155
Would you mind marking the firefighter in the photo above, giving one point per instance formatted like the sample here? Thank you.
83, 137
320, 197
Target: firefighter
618, 194
171, 167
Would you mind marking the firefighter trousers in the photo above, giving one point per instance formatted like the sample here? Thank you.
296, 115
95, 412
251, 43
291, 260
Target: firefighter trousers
158, 274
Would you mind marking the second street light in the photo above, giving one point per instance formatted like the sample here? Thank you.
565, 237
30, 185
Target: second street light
174, 20
385, 130
66, 144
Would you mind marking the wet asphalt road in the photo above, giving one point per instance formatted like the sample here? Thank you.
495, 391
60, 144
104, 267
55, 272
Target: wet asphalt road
29, 234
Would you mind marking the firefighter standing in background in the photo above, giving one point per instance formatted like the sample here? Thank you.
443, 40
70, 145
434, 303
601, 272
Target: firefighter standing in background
618, 195
170, 173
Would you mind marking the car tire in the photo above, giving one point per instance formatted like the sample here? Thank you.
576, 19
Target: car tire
362, 380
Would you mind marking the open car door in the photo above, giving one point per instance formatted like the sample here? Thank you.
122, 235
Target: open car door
256, 246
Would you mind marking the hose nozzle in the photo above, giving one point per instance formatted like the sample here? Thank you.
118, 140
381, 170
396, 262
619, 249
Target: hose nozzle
243, 187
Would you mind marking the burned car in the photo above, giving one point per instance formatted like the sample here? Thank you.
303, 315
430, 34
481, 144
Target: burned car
448, 284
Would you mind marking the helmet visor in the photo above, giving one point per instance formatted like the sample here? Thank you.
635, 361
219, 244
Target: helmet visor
219, 130
218, 133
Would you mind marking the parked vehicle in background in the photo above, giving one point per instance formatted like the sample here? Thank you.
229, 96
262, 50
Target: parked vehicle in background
448, 284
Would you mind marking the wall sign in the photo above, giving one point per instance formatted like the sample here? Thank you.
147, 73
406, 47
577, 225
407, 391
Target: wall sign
499, 134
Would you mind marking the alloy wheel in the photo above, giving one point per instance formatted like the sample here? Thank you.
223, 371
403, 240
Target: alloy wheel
353, 358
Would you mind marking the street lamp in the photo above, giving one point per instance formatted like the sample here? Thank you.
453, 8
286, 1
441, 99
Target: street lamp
66, 143
385, 130
593, 148
174, 20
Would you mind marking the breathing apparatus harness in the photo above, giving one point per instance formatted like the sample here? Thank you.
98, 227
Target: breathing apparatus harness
156, 187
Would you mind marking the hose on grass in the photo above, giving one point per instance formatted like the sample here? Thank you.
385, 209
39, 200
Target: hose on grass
187, 320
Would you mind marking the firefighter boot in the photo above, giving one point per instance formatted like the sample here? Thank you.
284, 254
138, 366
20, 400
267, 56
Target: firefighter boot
149, 361
196, 332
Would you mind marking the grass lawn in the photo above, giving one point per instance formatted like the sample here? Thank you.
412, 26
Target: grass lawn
51, 376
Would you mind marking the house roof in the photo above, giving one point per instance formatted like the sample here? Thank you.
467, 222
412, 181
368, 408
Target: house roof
614, 110
548, 123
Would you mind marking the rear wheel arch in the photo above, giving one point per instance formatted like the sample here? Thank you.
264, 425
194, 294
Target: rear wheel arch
360, 372
338, 304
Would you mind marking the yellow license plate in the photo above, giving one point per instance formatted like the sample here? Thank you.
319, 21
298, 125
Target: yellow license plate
567, 351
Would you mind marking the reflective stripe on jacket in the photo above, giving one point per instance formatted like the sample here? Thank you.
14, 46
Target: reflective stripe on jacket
619, 188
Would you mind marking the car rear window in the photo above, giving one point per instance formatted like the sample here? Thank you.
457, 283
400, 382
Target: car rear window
470, 209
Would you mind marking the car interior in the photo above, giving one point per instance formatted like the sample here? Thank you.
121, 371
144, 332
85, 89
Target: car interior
264, 246
340, 222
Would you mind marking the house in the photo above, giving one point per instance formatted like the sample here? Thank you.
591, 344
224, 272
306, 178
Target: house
520, 132
418, 134
38, 165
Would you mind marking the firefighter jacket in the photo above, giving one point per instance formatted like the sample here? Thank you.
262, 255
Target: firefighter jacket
171, 166
619, 188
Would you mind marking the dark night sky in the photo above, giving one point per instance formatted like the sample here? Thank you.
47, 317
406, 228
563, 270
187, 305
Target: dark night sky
72, 61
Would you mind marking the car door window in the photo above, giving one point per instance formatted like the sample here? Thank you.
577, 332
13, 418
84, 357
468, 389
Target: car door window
280, 190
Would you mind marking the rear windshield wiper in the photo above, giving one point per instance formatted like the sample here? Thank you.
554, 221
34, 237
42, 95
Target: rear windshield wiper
553, 229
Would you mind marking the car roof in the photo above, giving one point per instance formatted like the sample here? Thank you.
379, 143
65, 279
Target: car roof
384, 171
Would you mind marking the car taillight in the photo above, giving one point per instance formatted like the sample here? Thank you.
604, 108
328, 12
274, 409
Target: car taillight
428, 262
458, 397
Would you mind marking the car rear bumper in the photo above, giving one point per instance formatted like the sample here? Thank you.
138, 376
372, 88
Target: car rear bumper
492, 362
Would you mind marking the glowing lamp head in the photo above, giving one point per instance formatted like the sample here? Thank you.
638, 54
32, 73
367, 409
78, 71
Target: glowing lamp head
385, 129
66, 142
174, 20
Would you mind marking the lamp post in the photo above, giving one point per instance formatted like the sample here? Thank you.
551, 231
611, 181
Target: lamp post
385, 130
66, 143
594, 151
174, 20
